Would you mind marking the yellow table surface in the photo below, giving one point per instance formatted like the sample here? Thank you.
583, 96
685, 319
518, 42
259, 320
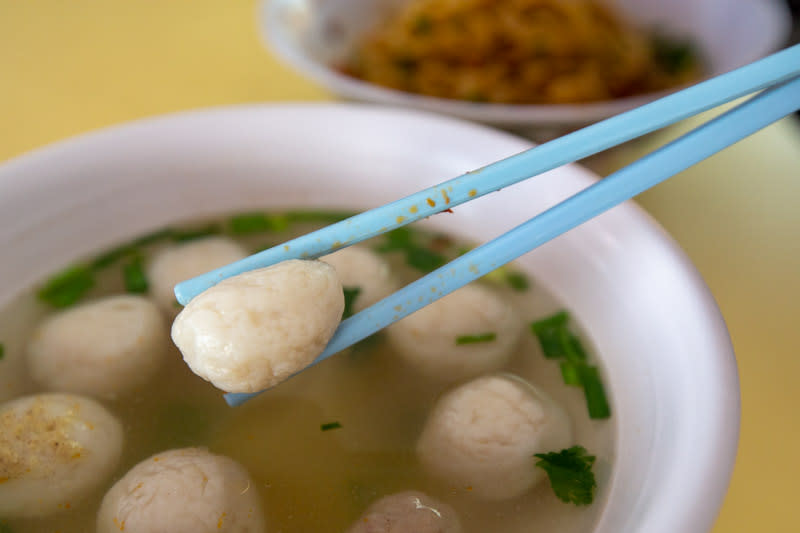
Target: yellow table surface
70, 67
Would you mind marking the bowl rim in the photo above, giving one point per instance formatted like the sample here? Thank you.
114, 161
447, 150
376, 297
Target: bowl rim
697, 505
274, 37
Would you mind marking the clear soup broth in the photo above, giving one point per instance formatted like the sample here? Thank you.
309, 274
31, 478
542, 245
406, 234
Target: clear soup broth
324, 445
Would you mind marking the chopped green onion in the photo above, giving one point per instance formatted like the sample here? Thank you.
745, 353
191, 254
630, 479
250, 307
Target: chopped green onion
549, 331
595, 393
185, 235
134, 276
154, 237
247, 223
399, 239
558, 342
570, 372
517, 281
112, 256
571, 345
505, 276
419, 257
350, 295
423, 259
67, 287
473, 339
2, 351
570, 474
330, 425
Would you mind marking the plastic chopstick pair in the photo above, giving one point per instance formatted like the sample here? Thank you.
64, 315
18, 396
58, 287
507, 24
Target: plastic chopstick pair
719, 133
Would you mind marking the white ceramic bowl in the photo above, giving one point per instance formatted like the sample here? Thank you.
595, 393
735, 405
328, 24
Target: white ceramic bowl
312, 35
669, 362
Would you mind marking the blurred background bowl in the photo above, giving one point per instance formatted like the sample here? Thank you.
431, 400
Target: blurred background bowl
314, 36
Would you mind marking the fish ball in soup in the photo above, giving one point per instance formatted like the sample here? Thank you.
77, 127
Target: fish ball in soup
407, 512
436, 340
184, 261
362, 269
54, 450
254, 330
188, 490
102, 348
482, 436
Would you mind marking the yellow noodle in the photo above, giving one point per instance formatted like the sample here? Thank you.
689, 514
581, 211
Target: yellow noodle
514, 51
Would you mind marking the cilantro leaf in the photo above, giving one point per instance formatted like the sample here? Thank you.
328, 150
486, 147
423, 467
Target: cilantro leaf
570, 474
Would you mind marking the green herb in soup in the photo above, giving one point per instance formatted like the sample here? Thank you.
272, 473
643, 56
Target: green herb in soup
329, 426
558, 342
257, 223
67, 287
350, 295
354, 440
418, 256
134, 275
2, 351
186, 235
570, 474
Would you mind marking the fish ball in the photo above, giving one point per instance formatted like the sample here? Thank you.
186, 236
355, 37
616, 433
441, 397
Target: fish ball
252, 331
189, 490
55, 449
361, 268
407, 512
429, 338
101, 348
482, 436
184, 261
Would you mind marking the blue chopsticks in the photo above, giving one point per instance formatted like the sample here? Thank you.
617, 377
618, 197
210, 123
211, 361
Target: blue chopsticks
779, 72
577, 145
